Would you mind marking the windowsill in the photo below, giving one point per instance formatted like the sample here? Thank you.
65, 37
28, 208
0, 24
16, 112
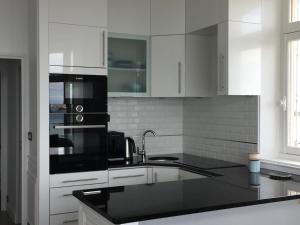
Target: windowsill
283, 163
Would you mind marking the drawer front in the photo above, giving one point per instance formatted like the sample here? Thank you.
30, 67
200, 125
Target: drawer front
75, 179
64, 219
127, 177
62, 200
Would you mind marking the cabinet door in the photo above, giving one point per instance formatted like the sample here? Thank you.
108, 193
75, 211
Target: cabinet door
129, 16
165, 174
201, 14
222, 81
78, 12
167, 17
77, 46
239, 52
168, 66
63, 219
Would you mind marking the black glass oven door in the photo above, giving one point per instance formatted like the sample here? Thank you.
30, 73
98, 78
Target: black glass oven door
77, 148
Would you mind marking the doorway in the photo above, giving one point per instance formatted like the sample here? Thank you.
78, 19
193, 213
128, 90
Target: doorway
11, 140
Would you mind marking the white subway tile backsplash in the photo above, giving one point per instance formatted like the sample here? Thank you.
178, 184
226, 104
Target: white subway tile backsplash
135, 115
223, 127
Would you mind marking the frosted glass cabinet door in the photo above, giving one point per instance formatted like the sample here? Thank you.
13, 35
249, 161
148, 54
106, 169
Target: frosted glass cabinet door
77, 46
168, 66
128, 62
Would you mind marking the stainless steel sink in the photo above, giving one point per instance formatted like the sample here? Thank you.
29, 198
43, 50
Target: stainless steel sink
163, 158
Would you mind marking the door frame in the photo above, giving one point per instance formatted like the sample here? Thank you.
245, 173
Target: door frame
24, 127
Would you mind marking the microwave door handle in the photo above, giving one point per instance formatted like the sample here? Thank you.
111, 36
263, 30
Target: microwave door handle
80, 127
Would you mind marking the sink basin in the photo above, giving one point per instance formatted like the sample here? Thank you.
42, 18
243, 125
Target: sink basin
163, 158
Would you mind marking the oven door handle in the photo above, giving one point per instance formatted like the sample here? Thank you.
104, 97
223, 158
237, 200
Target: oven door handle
80, 127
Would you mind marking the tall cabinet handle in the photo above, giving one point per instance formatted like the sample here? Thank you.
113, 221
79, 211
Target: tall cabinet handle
221, 73
103, 47
179, 77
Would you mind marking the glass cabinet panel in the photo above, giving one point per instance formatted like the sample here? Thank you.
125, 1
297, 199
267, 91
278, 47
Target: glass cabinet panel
128, 72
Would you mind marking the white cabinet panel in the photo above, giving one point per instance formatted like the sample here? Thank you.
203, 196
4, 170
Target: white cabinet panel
167, 17
63, 219
76, 179
168, 66
129, 16
165, 174
62, 200
245, 11
201, 14
87, 12
128, 176
239, 52
77, 46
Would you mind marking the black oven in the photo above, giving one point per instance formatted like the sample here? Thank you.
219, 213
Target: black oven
78, 123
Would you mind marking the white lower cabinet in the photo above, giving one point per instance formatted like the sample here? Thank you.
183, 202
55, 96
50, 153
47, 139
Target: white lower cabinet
128, 176
166, 174
63, 201
64, 219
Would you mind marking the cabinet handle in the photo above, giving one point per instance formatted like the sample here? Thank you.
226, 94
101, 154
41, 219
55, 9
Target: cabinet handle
80, 127
80, 180
104, 47
131, 176
92, 192
70, 221
221, 73
67, 195
179, 77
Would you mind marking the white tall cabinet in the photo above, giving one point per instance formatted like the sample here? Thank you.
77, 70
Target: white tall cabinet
78, 36
239, 58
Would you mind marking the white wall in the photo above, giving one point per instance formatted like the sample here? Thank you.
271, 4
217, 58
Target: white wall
224, 127
164, 116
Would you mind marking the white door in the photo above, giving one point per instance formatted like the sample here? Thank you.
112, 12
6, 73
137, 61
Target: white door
77, 46
167, 17
168, 66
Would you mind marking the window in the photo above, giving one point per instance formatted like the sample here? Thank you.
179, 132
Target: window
291, 101
294, 11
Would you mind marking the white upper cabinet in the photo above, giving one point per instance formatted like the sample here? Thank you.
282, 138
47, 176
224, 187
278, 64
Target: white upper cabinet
78, 36
205, 13
74, 46
201, 14
129, 17
167, 17
239, 58
79, 12
248, 11
168, 66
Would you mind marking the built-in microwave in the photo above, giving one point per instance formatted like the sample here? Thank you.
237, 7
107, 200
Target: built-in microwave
78, 123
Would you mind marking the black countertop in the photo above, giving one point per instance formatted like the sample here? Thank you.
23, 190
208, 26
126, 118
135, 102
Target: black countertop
183, 160
234, 187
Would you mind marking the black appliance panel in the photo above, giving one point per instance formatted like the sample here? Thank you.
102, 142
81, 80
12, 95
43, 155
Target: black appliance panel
116, 145
77, 93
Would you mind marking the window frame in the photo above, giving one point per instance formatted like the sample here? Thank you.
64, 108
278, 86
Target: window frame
285, 102
289, 27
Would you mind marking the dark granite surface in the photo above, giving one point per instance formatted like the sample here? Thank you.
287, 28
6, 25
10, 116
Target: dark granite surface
234, 187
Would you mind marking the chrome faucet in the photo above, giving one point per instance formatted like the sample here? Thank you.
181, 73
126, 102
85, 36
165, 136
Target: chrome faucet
143, 152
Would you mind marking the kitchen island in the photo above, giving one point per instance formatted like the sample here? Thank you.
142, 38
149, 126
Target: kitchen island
225, 196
